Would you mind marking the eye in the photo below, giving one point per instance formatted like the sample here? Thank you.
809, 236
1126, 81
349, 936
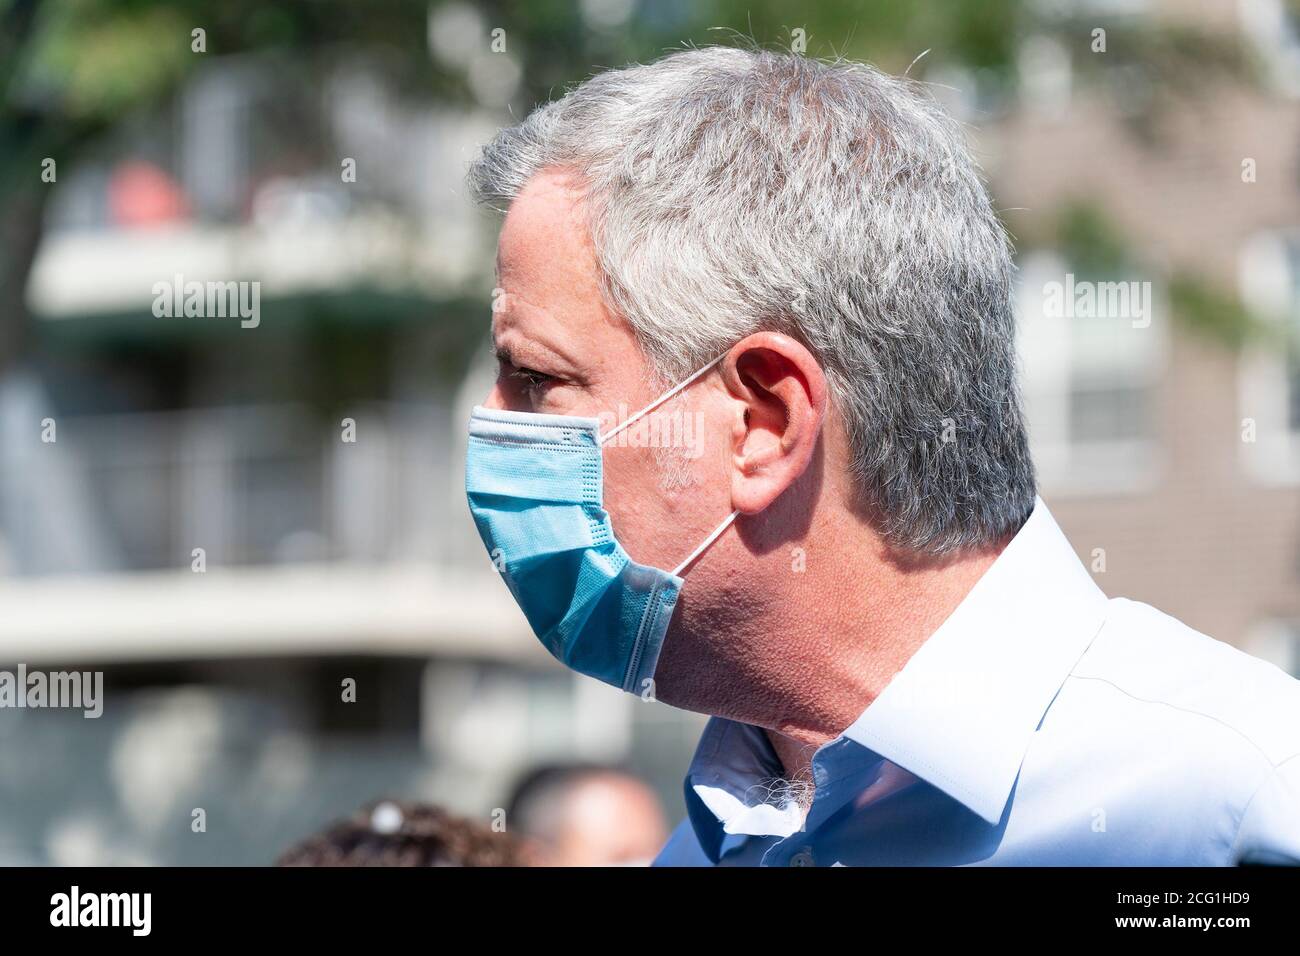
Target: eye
531, 380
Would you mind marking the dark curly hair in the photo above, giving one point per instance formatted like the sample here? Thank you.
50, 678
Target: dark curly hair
414, 835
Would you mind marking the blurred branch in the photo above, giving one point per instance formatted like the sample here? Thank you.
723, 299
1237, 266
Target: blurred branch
1220, 317
1091, 242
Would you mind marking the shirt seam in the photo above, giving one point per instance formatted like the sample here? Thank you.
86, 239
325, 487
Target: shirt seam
1186, 710
1245, 811
1268, 776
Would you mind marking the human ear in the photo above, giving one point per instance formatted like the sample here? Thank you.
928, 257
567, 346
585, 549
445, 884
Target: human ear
780, 394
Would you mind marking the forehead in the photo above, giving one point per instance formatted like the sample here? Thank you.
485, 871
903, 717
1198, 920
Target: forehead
547, 270
544, 240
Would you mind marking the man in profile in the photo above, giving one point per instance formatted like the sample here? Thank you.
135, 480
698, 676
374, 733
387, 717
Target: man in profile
903, 658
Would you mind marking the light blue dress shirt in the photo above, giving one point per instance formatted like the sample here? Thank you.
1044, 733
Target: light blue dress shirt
1040, 725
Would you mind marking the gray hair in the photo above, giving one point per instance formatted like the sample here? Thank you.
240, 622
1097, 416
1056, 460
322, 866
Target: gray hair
729, 191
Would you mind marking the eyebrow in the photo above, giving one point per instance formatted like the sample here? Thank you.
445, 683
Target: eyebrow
525, 350
520, 355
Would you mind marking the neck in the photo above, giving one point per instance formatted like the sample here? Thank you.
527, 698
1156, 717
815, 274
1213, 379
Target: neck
803, 655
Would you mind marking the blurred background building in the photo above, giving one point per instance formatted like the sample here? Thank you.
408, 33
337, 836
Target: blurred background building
236, 524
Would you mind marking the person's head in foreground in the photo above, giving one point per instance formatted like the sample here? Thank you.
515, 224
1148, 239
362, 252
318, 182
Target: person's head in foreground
399, 833
827, 536
586, 815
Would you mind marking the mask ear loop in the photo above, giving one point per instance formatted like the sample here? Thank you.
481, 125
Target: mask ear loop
659, 401
677, 571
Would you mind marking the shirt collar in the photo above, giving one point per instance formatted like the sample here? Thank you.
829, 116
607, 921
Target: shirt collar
959, 714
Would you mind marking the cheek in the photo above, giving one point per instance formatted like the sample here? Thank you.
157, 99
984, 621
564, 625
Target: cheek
635, 501
661, 502
664, 500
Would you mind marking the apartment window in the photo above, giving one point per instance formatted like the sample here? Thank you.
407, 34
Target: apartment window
1270, 368
1274, 28
1090, 352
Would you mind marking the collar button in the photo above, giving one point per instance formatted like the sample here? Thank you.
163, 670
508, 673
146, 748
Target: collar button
803, 858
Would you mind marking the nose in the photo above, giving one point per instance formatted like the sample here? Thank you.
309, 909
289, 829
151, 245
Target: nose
495, 399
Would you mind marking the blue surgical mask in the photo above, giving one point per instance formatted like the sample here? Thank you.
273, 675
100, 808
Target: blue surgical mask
536, 492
